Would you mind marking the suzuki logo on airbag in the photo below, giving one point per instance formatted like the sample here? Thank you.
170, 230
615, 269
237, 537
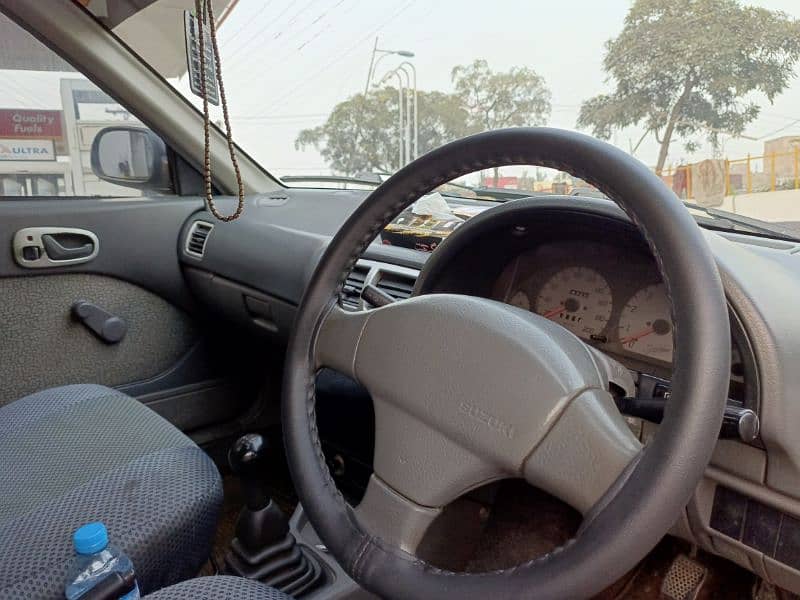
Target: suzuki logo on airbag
492, 422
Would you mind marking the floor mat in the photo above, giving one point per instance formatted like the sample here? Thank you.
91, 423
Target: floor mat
723, 580
526, 523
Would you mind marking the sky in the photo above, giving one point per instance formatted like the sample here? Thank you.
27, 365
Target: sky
287, 63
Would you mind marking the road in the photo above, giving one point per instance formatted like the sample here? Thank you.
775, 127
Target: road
783, 206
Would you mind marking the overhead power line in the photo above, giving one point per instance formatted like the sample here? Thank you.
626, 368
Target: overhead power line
278, 117
250, 21
237, 67
779, 130
263, 30
340, 55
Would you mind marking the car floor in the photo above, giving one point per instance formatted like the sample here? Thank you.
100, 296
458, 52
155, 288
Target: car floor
501, 526
523, 524
526, 523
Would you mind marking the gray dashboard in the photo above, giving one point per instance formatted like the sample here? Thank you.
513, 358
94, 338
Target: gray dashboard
254, 271
275, 246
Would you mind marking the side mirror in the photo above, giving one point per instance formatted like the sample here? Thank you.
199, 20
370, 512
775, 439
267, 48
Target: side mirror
131, 156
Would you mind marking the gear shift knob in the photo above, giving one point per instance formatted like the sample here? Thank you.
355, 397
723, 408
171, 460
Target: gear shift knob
247, 459
247, 452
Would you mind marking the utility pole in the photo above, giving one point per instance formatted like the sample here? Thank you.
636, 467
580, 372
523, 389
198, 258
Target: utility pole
371, 65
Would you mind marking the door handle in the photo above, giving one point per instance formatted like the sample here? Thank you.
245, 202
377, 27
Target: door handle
48, 247
56, 252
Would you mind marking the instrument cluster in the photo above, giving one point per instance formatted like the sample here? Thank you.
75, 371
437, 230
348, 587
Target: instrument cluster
603, 293
590, 272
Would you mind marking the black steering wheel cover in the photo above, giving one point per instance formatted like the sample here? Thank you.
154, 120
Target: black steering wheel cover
660, 484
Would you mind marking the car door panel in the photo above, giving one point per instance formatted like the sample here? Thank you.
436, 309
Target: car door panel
137, 238
165, 357
45, 346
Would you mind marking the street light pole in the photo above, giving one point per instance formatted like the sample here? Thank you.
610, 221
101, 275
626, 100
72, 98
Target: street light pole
416, 119
407, 125
373, 64
400, 114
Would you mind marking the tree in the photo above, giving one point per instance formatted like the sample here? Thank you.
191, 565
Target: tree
361, 133
684, 67
516, 98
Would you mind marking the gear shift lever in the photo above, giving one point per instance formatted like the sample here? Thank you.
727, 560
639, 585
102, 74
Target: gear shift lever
261, 522
247, 457
264, 549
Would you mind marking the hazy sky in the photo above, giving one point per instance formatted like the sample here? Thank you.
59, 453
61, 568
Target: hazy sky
287, 63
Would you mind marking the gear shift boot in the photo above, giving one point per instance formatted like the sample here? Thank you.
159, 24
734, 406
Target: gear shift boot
264, 549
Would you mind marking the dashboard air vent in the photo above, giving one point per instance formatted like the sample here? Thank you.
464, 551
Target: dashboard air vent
197, 238
397, 285
351, 294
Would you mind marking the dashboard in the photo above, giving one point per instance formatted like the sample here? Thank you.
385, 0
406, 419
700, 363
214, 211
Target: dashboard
581, 263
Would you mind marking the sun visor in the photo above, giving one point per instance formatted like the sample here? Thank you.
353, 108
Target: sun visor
160, 22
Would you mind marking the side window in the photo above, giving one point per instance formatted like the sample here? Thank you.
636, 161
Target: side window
51, 119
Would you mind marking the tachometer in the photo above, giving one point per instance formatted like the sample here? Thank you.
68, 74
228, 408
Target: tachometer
645, 326
578, 298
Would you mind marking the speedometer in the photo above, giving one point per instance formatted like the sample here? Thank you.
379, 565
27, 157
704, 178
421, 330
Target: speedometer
645, 326
578, 298
521, 300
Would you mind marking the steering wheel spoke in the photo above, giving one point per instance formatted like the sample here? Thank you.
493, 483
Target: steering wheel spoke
423, 463
585, 453
444, 424
394, 518
338, 338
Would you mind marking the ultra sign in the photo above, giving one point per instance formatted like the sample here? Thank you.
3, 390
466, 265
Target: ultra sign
27, 150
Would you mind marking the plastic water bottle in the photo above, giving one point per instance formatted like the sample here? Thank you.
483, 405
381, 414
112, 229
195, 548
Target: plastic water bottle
95, 560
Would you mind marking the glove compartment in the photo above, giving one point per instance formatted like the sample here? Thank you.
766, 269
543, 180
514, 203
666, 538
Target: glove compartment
245, 306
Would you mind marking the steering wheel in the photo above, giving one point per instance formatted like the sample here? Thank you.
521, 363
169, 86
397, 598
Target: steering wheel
468, 390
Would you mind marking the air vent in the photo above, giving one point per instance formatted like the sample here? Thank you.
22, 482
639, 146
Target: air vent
198, 236
351, 294
397, 285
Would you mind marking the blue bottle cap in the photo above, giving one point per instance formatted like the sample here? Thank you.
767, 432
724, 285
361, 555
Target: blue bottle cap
90, 538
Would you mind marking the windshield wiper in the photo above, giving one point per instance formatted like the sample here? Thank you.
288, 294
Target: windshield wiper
734, 222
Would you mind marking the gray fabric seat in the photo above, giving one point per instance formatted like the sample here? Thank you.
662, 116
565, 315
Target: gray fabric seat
82, 453
219, 588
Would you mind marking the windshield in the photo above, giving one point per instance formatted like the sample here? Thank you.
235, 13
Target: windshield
341, 93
